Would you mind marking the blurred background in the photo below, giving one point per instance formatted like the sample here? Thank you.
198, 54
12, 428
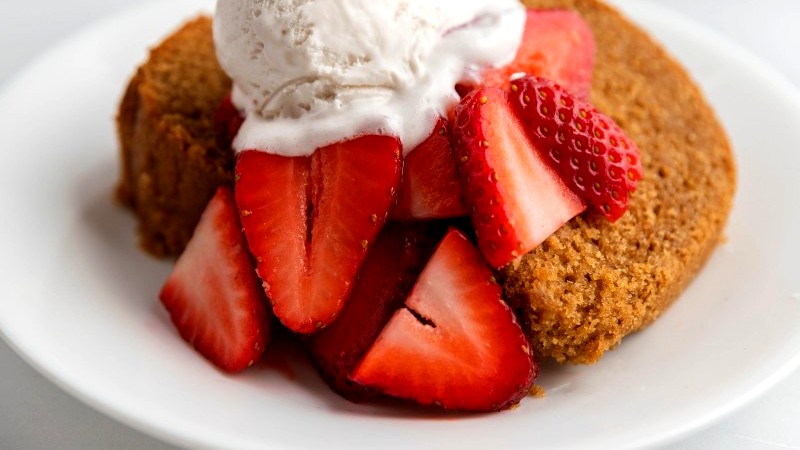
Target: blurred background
35, 414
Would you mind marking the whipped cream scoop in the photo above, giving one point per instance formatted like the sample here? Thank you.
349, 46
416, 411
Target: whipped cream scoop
309, 73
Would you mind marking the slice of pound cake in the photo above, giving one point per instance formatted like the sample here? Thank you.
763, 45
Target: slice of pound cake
171, 163
593, 282
586, 286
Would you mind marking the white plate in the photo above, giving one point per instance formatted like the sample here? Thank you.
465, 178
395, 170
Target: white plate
78, 299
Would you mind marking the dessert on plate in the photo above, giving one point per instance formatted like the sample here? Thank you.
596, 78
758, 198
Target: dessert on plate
432, 201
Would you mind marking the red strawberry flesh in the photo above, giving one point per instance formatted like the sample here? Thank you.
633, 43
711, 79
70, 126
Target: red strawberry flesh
213, 294
556, 44
227, 121
310, 220
392, 266
431, 188
456, 344
517, 199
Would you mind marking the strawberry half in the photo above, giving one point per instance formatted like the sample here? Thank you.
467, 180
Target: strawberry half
227, 121
556, 44
517, 199
430, 188
590, 151
310, 220
456, 344
213, 294
390, 270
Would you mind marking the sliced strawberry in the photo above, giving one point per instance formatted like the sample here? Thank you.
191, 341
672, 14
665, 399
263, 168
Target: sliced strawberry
430, 188
517, 199
213, 294
558, 45
590, 151
456, 344
227, 121
310, 220
389, 272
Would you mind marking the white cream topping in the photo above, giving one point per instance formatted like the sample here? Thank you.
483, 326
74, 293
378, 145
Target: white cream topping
309, 73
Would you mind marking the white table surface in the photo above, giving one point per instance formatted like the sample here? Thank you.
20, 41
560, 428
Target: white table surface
35, 414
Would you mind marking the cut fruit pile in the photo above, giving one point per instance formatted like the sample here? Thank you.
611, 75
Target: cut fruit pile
409, 309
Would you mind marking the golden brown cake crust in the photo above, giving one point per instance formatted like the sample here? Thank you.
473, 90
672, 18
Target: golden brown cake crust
171, 164
593, 282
